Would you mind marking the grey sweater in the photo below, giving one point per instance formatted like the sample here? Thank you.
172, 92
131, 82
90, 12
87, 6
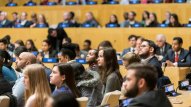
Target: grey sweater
112, 84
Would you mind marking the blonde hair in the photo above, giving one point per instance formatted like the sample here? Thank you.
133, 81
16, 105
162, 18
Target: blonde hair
131, 57
38, 84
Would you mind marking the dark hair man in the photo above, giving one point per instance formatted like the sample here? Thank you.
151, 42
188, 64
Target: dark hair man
131, 20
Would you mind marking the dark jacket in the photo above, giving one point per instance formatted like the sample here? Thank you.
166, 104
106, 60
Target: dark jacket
11, 47
29, 2
167, 47
66, 22
16, 22
179, 25
154, 61
52, 54
113, 23
127, 23
10, 3
151, 99
152, 24
92, 89
7, 24
189, 22
5, 86
61, 34
183, 59
125, 51
94, 23
28, 23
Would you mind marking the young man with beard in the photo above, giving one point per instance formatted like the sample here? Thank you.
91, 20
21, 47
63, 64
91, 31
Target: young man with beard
139, 85
91, 59
147, 54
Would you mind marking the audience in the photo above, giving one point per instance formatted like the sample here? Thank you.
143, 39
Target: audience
63, 77
19, 43
66, 40
138, 43
152, 20
67, 53
66, 17
47, 51
128, 59
147, 55
162, 46
145, 18
113, 20
30, 46
84, 52
24, 20
76, 24
177, 56
7, 70
10, 46
37, 91
90, 20
29, 1
140, 82
5, 85
104, 44
34, 18
60, 99
167, 15
89, 84
174, 21
108, 69
131, 20
132, 41
41, 21
91, 59
56, 36
10, 2
125, 15
4, 21
16, 19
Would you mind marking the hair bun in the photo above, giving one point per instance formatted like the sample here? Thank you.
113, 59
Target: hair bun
70, 46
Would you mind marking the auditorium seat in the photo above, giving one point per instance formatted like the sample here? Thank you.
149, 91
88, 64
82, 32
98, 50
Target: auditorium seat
4, 101
82, 101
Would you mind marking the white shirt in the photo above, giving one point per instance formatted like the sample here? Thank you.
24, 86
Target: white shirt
3, 22
46, 55
135, 49
146, 60
23, 22
176, 63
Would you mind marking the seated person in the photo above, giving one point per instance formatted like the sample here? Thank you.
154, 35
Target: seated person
145, 18
84, 52
174, 21
66, 17
162, 46
10, 46
5, 86
44, 2
90, 20
10, 2
7, 70
140, 82
81, 2
91, 59
30, 46
3, 20
29, 1
128, 59
131, 20
47, 51
34, 18
167, 15
24, 20
41, 21
152, 20
189, 21
66, 40
106, 1
16, 19
113, 20
132, 41
105, 44
3, 44
177, 56
19, 43
125, 15
71, 17
77, 51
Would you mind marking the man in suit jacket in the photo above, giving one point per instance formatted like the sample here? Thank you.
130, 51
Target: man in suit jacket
4, 22
147, 55
75, 24
10, 2
140, 82
177, 56
132, 41
131, 20
66, 17
24, 20
122, 24
16, 19
162, 45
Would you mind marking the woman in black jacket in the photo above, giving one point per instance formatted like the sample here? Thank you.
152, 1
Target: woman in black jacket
113, 20
174, 21
152, 20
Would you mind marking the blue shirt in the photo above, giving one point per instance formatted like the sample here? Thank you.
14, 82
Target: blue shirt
62, 89
9, 74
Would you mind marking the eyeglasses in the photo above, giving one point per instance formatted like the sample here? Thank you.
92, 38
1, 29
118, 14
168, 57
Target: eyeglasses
143, 46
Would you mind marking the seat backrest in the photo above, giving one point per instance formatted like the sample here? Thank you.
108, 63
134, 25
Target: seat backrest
82, 101
111, 98
4, 101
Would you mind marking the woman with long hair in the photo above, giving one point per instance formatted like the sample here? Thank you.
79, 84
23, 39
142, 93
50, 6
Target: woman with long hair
7, 70
30, 45
152, 20
89, 84
41, 22
90, 20
37, 90
145, 18
108, 69
174, 21
113, 20
63, 77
